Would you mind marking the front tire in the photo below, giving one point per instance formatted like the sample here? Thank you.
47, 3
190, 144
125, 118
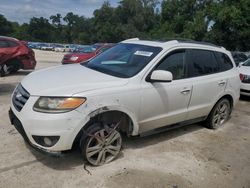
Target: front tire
100, 145
219, 114
3, 70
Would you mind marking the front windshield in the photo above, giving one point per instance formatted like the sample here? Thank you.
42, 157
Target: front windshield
247, 63
124, 60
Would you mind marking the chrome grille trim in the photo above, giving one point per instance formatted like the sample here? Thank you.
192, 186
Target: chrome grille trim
20, 97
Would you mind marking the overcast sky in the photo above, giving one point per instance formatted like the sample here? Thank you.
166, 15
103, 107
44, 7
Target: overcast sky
22, 10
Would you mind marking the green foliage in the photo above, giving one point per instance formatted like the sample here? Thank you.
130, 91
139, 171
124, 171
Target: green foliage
223, 22
5, 26
40, 29
231, 24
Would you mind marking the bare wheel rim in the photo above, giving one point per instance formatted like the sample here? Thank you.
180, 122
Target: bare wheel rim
221, 114
103, 147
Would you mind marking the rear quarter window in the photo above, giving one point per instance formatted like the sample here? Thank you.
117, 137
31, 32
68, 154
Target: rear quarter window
12, 44
224, 61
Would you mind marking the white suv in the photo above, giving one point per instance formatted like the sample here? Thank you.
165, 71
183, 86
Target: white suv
136, 87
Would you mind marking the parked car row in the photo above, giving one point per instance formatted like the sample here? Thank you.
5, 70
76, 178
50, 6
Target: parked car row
63, 47
52, 47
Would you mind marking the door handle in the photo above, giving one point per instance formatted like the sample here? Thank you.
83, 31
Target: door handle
185, 91
222, 83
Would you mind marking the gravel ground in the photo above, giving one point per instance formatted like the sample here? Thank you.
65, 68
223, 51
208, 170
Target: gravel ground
190, 156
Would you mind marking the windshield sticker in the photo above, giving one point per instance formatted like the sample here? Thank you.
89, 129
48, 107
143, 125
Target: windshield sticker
143, 53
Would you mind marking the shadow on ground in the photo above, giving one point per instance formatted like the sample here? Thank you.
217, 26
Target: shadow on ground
245, 98
20, 73
140, 142
71, 159
6, 89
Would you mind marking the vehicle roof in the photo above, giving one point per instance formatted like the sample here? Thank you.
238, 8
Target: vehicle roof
175, 42
8, 38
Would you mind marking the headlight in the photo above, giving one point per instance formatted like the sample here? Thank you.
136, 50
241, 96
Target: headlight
57, 104
73, 58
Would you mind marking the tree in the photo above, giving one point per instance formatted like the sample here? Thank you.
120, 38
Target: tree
231, 24
40, 29
5, 25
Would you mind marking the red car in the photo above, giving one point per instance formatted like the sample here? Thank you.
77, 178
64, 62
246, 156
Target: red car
84, 54
15, 55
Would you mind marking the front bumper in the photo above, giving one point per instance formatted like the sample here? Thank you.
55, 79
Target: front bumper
30, 123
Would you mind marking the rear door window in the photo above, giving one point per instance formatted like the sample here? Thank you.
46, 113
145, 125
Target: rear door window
223, 61
201, 62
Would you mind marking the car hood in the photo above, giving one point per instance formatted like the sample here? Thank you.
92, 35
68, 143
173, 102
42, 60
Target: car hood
68, 80
244, 70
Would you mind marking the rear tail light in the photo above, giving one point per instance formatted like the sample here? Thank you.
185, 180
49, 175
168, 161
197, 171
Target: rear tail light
242, 77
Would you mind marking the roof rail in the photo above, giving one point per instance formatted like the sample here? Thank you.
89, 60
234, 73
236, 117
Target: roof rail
200, 42
131, 39
185, 40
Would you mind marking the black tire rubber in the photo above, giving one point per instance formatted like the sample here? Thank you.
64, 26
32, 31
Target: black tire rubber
2, 72
85, 138
209, 121
14, 65
91, 130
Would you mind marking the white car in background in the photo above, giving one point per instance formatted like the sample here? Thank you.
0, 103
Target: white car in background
136, 87
63, 48
244, 69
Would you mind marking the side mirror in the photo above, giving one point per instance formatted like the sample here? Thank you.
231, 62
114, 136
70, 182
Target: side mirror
161, 76
240, 64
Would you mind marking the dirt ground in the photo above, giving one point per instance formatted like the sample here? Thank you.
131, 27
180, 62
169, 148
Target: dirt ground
191, 156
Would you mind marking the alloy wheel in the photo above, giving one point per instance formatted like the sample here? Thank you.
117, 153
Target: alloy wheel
221, 113
103, 147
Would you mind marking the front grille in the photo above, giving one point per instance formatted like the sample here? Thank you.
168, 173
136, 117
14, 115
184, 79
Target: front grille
20, 97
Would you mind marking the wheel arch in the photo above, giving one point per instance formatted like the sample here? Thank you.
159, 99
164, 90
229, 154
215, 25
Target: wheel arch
226, 96
128, 123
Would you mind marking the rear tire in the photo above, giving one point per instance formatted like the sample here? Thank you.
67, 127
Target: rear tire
219, 114
99, 145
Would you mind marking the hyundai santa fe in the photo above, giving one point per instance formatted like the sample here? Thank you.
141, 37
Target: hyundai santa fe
137, 87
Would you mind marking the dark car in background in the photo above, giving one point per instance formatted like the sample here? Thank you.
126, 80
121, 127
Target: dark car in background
239, 57
15, 55
84, 54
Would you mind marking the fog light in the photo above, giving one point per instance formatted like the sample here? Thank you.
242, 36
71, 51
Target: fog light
46, 141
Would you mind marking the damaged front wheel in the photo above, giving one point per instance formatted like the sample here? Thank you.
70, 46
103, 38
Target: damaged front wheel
100, 145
